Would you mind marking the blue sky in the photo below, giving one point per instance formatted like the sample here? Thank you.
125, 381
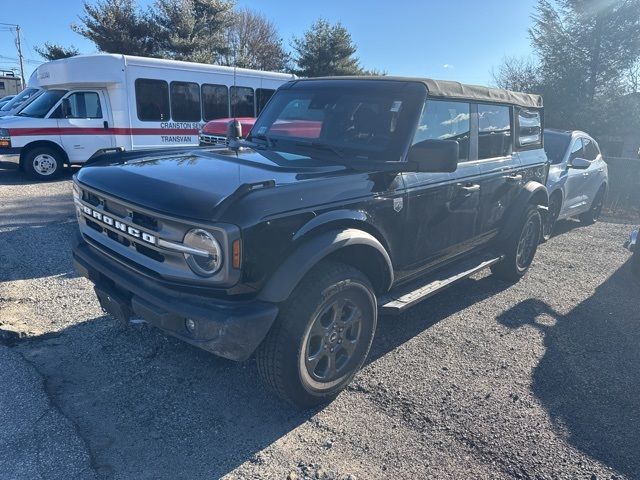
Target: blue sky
453, 39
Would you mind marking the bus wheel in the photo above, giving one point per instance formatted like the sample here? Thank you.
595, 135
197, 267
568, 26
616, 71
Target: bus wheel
43, 163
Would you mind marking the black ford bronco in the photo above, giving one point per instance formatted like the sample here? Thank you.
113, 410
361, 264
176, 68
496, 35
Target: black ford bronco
349, 197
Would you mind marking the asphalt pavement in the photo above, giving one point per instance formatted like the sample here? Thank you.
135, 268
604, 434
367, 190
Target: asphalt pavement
487, 380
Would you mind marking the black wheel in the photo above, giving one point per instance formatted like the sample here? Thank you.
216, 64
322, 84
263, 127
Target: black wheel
520, 247
321, 337
555, 205
43, 163
593, 214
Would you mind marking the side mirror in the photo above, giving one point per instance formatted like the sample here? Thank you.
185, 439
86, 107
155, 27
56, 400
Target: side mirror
435, 156
579, 163
66, 108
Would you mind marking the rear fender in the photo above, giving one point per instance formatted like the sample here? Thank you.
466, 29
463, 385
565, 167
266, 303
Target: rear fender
533, 193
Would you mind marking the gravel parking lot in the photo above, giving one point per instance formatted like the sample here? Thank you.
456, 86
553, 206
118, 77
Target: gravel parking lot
487, 380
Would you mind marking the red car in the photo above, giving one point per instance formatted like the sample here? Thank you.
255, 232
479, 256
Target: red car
214, 133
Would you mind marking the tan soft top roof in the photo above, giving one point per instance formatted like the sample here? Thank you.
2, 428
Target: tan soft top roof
456, 90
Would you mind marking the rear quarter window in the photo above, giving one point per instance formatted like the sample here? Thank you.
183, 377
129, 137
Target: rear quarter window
529, 128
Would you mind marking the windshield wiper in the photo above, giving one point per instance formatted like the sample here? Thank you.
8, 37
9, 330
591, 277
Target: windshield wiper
322, 146
267, 140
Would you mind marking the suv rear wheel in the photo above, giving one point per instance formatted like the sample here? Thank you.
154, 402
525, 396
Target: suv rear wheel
590, 217
321, 337
43, 163
555, 205
520, 247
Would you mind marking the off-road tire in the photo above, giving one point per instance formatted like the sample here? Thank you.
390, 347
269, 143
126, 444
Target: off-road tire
282, 355
591, 216
43, 163
511, 268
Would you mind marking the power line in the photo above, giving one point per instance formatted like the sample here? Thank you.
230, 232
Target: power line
19, 48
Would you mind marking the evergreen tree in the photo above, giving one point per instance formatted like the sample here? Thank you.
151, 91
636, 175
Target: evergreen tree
326, 49
118, 26
193, 30
53, 51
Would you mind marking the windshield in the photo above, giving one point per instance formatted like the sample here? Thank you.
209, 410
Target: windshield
555, 146
19, 99
41, 105
341, 119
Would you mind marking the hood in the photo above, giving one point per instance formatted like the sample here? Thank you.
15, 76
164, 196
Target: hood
219, 126
192, 184
13, 121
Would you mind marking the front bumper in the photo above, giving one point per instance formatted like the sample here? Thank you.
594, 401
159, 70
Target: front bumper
10, 150
230, 329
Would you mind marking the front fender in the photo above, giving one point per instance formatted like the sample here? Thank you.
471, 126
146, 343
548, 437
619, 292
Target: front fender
312, 251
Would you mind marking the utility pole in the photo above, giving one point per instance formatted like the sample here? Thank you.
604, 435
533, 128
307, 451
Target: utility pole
19, 47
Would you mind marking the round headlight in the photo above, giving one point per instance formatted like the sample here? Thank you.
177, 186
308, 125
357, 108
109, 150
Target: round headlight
203, 264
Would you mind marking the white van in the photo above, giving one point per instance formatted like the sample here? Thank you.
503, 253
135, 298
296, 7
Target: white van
93, 104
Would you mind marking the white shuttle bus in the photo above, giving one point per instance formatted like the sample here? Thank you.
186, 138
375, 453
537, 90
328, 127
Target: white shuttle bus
93, 104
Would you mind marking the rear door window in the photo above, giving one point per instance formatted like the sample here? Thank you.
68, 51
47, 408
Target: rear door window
185, 102
152, 100
242, 102
494, 131
215, 102
576, 149
590, 149
441, 120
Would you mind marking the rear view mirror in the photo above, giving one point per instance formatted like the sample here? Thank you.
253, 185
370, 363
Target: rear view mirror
579, 163
436, 156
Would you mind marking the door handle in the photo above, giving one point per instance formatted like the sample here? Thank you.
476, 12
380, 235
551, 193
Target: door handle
513, 178
105, 124
469, 188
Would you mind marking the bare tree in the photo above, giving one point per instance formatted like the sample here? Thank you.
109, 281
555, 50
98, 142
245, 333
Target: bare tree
253, 42
517, 74
632, 78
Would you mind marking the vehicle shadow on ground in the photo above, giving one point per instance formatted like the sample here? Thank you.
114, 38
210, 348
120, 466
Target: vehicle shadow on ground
36, 250
393, 331
589, 377
148, 405
10, 174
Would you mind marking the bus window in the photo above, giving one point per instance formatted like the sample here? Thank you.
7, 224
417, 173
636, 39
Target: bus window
185, 102
262, 97
242, 102
215, 102
152, 100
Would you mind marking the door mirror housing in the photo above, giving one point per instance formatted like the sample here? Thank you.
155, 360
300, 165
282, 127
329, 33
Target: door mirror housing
434, 156
579, 163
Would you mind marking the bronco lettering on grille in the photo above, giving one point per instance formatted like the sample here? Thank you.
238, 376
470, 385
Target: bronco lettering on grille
117, 224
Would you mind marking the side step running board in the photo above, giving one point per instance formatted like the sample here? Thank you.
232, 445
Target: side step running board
397, 301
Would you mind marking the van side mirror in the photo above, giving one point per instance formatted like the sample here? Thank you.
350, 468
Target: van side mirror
435, 156
579, 164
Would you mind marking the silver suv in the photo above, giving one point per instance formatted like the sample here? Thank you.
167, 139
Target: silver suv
578, 177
